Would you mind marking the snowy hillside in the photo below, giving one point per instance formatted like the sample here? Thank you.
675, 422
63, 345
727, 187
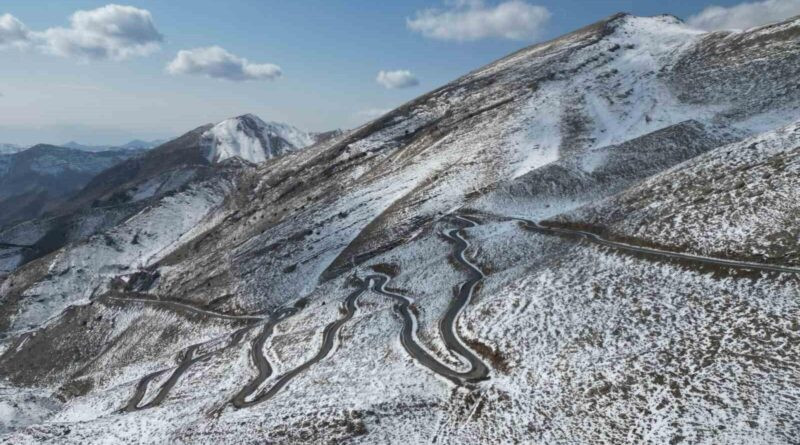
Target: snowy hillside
250, 138
592, 240
735, 201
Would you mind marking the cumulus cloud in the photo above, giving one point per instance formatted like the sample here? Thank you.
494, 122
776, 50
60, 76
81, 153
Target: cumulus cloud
110, 32
12, 31
465, 20
215, 62
744, 15
397, 79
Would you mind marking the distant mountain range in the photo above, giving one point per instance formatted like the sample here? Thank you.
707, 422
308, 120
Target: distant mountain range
136, 144
232, 137
82, 190
56, 180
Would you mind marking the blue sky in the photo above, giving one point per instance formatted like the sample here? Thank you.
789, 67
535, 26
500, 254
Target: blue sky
329, 53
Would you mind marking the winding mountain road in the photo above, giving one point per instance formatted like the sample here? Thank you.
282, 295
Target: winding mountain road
477, 371
329, 336
447, 325
186, 360
408, 338
252, 393
240, 400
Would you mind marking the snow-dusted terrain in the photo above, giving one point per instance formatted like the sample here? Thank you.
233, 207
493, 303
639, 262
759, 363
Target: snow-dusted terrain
735, 201
381, 286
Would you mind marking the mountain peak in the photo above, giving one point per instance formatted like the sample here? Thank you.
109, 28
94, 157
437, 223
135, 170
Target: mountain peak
252, 139
625, 17
249, 116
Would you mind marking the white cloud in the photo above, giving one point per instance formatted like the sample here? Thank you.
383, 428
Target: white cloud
473, 20
397, 79
745, 15
110, 32
12, 31
215, 62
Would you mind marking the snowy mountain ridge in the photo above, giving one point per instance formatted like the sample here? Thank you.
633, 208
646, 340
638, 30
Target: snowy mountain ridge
252, 139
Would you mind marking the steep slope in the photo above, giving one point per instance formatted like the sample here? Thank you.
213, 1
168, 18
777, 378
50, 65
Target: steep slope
109, 197
245, 137
602, 85
594, 174
377, 287
250, 138
736, 201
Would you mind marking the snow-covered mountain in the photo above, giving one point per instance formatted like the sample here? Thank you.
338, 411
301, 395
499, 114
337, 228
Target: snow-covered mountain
109, 196
123, 188
592, 240
251, 139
